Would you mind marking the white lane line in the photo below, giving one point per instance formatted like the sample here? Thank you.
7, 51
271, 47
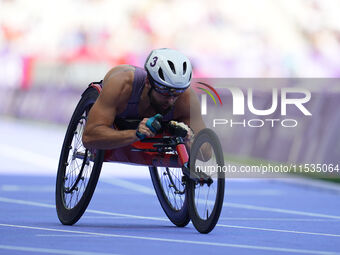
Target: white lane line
41, 160
318, 184
24, 202
65, 235
103, 217
253, 192
27, 188
43, 188
128, 215
230, 245
278, 219
48, 165
30, 157
150, 191
146, 190
278, 210
15, 201
130, 185
52, 251
279, 230
44, 162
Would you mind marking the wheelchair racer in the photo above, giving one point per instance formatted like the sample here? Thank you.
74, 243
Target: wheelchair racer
129, 92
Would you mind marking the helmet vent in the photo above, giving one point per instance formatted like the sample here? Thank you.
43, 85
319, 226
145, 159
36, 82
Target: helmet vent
190, 76
184, 67
160, 73
172, 66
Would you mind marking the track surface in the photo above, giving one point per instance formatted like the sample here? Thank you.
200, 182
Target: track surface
124, 216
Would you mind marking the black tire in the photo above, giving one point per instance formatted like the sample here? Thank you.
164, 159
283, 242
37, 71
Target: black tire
205, 220
75, 187
170, 190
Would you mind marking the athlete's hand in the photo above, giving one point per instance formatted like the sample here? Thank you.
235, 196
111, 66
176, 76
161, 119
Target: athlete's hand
190, 134
180, 128
149, 126
143, 131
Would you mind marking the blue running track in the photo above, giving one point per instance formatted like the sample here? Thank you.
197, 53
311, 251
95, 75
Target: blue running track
260, 216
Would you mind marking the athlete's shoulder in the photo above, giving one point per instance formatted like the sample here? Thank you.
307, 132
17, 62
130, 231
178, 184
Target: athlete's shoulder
117, 86
122, 73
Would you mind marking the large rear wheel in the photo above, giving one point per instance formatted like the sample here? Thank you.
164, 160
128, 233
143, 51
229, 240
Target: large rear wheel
79, 168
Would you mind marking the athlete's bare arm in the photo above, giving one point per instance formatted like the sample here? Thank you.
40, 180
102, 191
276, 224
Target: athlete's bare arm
99, 132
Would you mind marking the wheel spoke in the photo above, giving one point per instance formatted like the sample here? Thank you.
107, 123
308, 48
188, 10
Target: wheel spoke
170, 180
73, 169
206, 202
206, 192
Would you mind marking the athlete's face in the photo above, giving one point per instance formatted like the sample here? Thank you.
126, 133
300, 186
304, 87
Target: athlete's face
162, 103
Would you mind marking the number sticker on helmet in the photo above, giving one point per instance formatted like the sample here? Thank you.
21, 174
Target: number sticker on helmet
154, 61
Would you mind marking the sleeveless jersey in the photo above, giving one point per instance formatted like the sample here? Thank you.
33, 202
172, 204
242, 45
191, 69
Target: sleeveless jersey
131, 110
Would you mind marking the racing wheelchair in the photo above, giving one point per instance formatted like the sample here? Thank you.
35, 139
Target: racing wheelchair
184, 190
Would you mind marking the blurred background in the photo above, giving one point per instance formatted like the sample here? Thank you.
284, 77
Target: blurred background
51, 50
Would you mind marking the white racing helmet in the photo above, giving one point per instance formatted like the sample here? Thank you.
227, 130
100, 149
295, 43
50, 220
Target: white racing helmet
168, 69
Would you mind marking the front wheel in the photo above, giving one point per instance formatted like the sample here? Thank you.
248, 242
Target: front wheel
170, 186
205, 187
